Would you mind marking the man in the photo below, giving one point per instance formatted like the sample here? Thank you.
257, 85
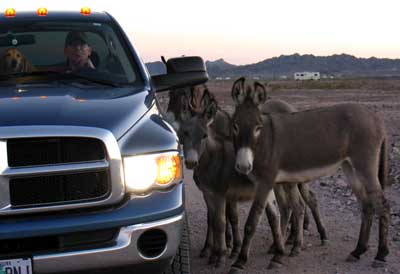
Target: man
77, 51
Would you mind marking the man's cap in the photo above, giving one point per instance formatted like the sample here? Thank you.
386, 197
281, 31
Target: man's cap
75, 36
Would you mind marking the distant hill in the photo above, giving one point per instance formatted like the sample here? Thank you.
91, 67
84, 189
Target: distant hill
342, 65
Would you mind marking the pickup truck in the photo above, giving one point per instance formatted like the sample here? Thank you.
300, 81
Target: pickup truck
90, 171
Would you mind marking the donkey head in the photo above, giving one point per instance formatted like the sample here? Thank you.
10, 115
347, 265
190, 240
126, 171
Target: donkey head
247, 122
184, 103
178, 107
193, 133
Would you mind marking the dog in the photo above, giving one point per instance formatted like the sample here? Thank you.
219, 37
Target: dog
13, 61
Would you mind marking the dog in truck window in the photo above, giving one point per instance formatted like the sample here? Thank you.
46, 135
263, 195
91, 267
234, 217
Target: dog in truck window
13, 61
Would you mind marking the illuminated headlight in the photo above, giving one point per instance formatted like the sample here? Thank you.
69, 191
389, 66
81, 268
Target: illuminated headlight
152, 171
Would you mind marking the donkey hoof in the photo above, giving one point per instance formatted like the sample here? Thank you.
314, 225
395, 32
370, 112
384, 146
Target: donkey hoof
204, 253
352, 259
234, 254
212, 259
294, 252
325, 242
235, 270
216, 260
378, 264
220, 262
272, 249
274, 265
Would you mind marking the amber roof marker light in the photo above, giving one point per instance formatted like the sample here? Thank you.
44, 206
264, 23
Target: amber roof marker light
10, 13
42, 12
86, 11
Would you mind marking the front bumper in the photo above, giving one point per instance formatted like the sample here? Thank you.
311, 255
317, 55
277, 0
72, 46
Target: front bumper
161, 210
123, 253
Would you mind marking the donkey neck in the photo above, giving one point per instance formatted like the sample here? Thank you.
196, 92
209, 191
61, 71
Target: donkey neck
265, 148
213, 155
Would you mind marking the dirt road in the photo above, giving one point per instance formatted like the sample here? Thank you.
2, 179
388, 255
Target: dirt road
339, 208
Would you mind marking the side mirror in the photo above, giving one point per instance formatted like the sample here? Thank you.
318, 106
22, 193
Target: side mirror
181, 72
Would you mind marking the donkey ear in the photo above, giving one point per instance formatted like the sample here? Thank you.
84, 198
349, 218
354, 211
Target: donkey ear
184, 113
163, 60
238, 92
259, 95
210, 111
207, 97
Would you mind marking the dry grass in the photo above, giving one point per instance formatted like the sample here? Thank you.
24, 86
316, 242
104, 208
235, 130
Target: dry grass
359, 84
362, 84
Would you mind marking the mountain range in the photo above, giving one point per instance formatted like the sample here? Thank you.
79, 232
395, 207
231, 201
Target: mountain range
284, 66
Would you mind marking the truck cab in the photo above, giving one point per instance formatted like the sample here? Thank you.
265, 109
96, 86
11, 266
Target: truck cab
91, 173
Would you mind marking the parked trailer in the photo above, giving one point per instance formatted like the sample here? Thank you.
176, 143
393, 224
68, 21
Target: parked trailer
307, 76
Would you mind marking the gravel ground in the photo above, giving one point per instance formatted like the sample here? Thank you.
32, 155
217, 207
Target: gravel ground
339, 208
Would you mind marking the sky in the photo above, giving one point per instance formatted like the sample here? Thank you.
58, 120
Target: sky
247, 31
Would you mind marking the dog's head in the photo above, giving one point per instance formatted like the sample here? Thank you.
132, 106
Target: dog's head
13, 61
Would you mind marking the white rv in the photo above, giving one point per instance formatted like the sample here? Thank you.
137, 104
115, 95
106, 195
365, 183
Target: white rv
307, 76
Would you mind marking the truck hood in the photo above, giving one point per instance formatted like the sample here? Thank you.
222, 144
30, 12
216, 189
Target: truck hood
114, 109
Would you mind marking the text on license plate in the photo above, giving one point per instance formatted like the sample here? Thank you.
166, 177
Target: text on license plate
16, 266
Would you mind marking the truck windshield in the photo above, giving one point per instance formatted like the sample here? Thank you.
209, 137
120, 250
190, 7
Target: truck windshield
90, 51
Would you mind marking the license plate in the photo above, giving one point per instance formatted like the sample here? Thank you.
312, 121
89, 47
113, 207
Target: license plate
16, 266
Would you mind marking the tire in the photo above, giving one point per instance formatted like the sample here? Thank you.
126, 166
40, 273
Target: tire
181, 262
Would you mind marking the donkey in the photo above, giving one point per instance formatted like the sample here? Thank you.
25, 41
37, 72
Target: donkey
216, 139
302, 146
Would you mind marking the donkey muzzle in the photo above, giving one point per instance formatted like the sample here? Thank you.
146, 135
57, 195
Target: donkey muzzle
244, 161
191, 159
191, 164
244, 169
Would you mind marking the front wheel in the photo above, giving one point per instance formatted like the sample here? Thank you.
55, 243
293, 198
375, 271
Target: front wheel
181, 261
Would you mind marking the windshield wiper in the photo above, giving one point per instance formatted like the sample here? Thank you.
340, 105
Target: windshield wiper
24, 74
92, 80
58, 75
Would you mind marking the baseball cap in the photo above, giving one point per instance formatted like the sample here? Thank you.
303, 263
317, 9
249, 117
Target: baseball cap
75, 37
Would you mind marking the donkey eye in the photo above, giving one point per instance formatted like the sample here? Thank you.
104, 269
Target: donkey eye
235, 129
257, 131
205, 135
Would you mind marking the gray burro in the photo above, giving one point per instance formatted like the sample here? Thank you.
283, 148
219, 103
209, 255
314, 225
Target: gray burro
303, 146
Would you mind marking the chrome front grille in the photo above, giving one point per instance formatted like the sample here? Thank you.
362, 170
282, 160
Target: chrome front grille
59, 189
47, 151
57, 168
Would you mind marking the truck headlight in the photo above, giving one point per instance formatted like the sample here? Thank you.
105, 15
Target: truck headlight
152, 171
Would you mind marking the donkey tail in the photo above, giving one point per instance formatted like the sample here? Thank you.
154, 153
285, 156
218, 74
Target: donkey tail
383, 172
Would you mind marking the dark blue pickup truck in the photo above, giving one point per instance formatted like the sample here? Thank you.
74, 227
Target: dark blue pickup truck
90, 172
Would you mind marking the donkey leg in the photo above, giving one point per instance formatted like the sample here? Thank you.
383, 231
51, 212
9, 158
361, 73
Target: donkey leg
228, 231
311, 200
285, 212
234, 221
363, 239
306, 224
298, 206
218, 226
384, 220
257, 208
279, 242
207, 247
359, 183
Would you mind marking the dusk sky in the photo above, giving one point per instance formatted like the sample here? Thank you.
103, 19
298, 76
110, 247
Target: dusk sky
244, 32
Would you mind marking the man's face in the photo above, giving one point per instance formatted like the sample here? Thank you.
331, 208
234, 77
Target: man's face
78, 54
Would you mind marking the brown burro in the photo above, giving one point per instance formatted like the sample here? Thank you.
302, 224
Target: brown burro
208, 149
303, 146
